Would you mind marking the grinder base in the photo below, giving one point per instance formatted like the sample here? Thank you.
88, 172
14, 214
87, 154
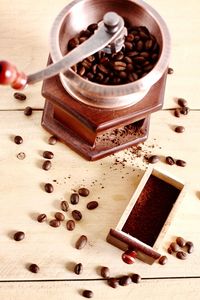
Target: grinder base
97, 132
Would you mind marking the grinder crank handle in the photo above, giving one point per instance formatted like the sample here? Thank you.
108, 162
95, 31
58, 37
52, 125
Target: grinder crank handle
109, 31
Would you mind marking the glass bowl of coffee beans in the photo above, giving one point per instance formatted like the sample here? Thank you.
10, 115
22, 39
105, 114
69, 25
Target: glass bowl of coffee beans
112, 80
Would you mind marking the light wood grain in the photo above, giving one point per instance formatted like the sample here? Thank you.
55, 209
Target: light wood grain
24, 36
23, 197
177, 289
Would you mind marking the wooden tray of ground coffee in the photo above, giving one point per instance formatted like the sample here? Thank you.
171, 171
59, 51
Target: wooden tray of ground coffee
148, 215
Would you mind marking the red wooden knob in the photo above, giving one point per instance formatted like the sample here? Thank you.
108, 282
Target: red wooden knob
10, 76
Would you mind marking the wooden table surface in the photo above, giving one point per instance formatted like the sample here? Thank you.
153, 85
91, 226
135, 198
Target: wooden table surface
24, 32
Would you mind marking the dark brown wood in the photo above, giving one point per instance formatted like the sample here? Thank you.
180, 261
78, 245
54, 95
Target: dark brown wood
84, 127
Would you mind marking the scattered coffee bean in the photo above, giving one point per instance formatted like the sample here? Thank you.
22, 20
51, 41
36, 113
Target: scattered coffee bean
174, 247
77, 215
70, 225
184, 110
113, 282
129, 256
59, 216
177, 113
170, 71
84, 192
48, 154
182, 102
81, 242
163, 260
74, 198
92, 205
169, 250
153, 159
52, 140
18, 139
180, 241
48, 188
180, 163
181, 255
105, 272
64, 205
28, 111
34, 268
169, 160
46, 165
19, 236
179, 129
190, 247
54, 223
125, 280
88, 294
19, 96
21, 155
136, 278
41, 218
78, 269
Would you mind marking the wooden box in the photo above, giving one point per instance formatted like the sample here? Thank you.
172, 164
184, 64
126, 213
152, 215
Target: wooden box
148, 215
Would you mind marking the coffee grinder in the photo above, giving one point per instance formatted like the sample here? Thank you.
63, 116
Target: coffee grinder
93, 119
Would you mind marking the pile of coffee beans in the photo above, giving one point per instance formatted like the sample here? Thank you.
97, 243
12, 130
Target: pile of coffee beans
137, 58
182, 109
181, 248
171, 161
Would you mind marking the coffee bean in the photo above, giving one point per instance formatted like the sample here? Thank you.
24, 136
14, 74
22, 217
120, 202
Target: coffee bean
119, 65
34, 268
105, 272
28, 111
180, 163
92, 205
139, 45
182, 102
169, 250
59, 216
21, 155
92, 27
184, 110
52, 140
48, 188
54, 223
19, 96
74, 198
125, 280
77, 215
180, 241
179, 129
19, 236
169, 160
84, 192
129, 256
46, 165
41, 218
174, 247
73, 43
48, 154
18, 139
88, 294
170, 71
163, 260
190, 247
136, 278
113, 282
153, 159
177, 113
181, 255
70, 225
64, 205
81, 242
78, 269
